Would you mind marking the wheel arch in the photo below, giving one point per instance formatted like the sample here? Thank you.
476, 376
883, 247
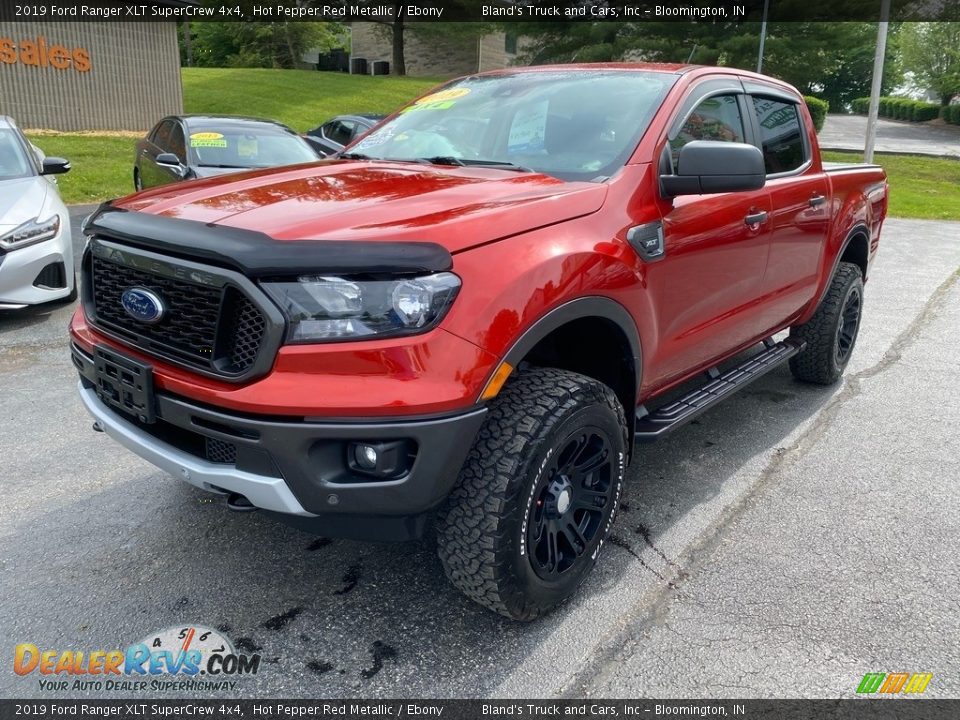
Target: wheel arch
855, 248
601, 327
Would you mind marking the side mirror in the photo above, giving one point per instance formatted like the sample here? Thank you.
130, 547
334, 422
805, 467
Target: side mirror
707, 166
171, 161
168, 159
55, 166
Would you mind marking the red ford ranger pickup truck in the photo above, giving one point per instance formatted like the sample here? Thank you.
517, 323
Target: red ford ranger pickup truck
473, 313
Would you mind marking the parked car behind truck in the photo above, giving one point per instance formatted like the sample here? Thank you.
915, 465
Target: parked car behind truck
473, 316
36, 254
186, 147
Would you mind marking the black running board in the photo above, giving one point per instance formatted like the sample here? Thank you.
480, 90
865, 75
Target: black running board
655, 425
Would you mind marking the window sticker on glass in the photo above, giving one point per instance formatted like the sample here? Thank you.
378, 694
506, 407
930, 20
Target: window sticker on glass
208, 139
529, 128
443, 100
247, 147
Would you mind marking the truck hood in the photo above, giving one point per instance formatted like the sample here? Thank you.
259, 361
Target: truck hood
21, 200
456, 207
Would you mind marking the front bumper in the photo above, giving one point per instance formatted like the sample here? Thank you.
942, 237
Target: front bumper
297, 468
19, 270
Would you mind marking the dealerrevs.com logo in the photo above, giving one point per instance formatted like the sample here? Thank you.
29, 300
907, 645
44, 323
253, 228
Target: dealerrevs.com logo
187, 658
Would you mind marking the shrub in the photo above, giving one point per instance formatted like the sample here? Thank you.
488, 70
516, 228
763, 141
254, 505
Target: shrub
861, 106
923, 111
818, 110
952, 114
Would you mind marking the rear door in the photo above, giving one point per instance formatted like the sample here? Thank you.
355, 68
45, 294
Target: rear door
799, 193
709, 283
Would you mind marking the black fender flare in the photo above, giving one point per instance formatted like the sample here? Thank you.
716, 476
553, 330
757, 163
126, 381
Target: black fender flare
580, 308
858, 229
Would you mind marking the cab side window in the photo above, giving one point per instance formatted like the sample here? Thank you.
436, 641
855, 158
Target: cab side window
716, 118
161, 136
780, 135
178, 144
340, 131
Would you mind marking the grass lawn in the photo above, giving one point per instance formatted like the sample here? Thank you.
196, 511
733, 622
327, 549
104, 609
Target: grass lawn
102, 165
103, 162
299, 98
920, 187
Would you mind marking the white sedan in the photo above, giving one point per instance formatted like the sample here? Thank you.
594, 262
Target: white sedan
36, 253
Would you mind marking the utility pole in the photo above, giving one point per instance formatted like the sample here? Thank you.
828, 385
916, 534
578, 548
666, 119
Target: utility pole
877, 80
763, 35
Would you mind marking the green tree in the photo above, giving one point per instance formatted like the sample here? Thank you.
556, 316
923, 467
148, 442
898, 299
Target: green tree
830, 60
259, 44
931, 51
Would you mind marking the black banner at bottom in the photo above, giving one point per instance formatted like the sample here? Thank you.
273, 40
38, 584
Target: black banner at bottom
854, 709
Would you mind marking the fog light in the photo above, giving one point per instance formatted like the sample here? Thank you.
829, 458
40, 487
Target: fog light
366, 456
385, 460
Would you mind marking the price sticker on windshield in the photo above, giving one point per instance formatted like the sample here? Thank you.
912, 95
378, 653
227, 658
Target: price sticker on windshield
208, 139
443, 100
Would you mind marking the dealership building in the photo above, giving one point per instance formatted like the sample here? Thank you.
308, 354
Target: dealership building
89, 75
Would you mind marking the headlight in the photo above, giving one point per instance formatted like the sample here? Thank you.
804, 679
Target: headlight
31, 232
333, 308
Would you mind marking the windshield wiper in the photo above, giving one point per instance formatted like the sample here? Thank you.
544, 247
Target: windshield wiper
352, 156
232, 167
473, 162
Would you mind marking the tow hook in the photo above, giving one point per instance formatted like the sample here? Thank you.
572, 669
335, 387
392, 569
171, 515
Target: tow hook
239, 503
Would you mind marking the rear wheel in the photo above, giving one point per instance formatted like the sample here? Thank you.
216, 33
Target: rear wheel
537, 495
831, 333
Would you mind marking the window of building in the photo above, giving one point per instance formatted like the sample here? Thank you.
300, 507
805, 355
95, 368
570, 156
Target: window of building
510, 44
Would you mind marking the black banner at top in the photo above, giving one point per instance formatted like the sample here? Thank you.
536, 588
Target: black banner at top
157, 709
388, 11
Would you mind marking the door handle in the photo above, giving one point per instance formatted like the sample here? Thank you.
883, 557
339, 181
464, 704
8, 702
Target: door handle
817, 200
755, 218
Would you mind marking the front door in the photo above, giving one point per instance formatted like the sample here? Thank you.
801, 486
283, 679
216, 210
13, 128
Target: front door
709, 283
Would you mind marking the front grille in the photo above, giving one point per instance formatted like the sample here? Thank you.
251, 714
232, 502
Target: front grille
191, 330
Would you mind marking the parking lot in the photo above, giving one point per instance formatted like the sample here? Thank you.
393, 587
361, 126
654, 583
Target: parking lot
794, 532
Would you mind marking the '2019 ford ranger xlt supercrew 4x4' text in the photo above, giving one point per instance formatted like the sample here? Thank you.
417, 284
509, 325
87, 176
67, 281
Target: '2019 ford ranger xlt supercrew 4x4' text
471, 316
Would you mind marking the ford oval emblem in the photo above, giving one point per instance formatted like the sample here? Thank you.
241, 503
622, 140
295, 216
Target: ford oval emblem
143, 305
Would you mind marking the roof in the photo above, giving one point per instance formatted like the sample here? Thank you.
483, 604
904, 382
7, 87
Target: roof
232, 120
672, 68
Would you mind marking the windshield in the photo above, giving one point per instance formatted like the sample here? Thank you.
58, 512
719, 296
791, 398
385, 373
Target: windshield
14, 162
573, 124
245, 149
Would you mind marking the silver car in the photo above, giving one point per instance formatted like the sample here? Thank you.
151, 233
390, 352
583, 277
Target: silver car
36, 253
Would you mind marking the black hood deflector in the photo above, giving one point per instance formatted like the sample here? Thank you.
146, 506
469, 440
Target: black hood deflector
257, 255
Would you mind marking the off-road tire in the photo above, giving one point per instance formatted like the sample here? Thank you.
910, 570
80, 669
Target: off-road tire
820, 362
482, 529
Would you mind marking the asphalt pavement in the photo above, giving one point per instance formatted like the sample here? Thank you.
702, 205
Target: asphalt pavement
847, 132
794, 532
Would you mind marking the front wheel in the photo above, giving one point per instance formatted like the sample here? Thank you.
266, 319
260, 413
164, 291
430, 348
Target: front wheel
537, 494
831, 333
